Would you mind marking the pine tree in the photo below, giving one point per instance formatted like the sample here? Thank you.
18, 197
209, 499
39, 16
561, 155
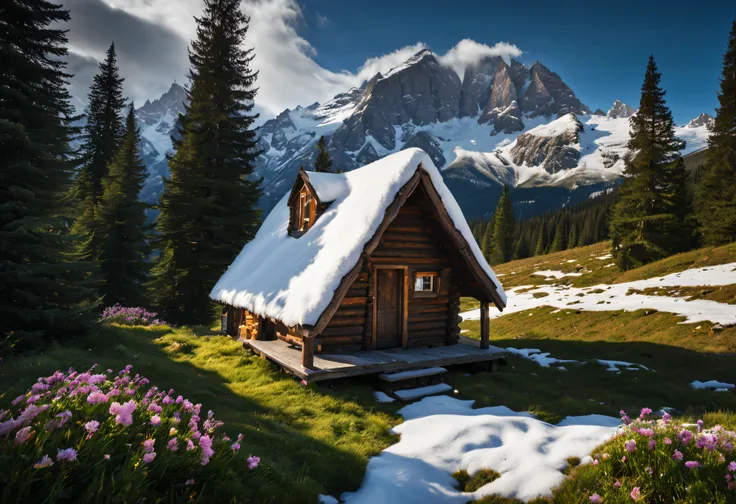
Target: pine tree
43, 296
100, 141
208, 208
539, 248
487, 244
122, 225
503, 232
648, 222
572, 239
715, 192
104, 129
323, 163
560, 240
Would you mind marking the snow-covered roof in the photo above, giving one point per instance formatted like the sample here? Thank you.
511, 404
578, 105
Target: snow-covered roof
293, 279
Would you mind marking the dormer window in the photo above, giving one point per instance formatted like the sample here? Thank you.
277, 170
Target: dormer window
305, 200
304, 206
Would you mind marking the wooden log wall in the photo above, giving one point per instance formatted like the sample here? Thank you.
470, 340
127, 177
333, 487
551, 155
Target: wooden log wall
347, 328
249, 325
413, 239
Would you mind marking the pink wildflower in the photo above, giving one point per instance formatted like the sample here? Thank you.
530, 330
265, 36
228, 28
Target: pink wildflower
187, 405
155, 420
595, 498
106, 456
190, 445
700, 425
630, 446
595, 462
67, 455
123, 412
303, 383
44, 462
190, 482
667, 441
8, 426
732, 466
666, 417
685, 436
172, 445
235, 447
155, 408
677, 455
91, 427
652, 444
728, 477
635, 493
97, 397
617, 484
148, 445
205, 443
692, 464
148, 457
623, 459
646, 432
605, 456
649, 470
644, 412
23, 435
253, 462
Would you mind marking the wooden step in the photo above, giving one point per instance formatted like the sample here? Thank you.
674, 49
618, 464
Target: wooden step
416, 393
412, 373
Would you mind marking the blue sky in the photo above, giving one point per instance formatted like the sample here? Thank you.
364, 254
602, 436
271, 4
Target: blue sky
599, 48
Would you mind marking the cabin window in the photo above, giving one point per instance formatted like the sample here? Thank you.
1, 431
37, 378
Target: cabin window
426, 283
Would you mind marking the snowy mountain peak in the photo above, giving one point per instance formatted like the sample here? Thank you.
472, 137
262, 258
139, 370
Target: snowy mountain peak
620, 110
702, 120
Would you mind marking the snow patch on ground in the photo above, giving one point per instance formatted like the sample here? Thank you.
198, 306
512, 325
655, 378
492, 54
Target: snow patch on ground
615, 366
614, 297
713, 385
441, 435
536, 355
381, 397
555, 274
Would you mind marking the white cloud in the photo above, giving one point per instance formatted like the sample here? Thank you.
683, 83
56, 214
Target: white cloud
468, 51
288, 73
384, 63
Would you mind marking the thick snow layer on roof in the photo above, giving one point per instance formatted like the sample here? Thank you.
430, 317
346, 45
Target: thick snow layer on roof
329, 186
294, 279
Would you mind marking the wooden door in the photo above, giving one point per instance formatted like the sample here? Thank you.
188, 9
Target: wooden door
389, 296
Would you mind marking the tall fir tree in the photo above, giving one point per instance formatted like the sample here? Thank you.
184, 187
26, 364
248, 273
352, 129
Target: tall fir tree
103, 130
539, 248
503, 232
715, 191
487, 244
323, 163
43, 295
560, 240
649, 221
100, 141
208, 208
122, 225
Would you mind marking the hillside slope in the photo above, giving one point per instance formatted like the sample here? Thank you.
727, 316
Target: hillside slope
590, 339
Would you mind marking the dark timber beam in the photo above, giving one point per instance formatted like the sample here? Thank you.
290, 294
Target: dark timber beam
308, 352
485, 326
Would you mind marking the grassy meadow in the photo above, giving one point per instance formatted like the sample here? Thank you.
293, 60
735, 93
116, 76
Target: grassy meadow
317, 439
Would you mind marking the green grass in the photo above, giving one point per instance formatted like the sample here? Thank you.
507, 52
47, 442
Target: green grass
719, 293
678, 353
468, 483
311, 440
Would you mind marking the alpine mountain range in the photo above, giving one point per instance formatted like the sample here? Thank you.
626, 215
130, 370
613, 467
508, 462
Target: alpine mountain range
500, 123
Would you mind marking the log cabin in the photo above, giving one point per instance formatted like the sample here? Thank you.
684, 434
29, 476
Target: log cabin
373, 259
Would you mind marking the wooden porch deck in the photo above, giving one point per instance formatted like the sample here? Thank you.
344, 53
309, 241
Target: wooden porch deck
331, 366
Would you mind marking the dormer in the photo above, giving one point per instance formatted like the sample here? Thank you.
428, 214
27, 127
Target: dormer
303, 202
311, 195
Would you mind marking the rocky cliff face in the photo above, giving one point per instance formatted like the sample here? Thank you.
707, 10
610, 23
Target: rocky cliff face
552, 150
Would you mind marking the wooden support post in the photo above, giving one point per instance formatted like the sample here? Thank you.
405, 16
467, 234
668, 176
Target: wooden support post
308, 352
485, 328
